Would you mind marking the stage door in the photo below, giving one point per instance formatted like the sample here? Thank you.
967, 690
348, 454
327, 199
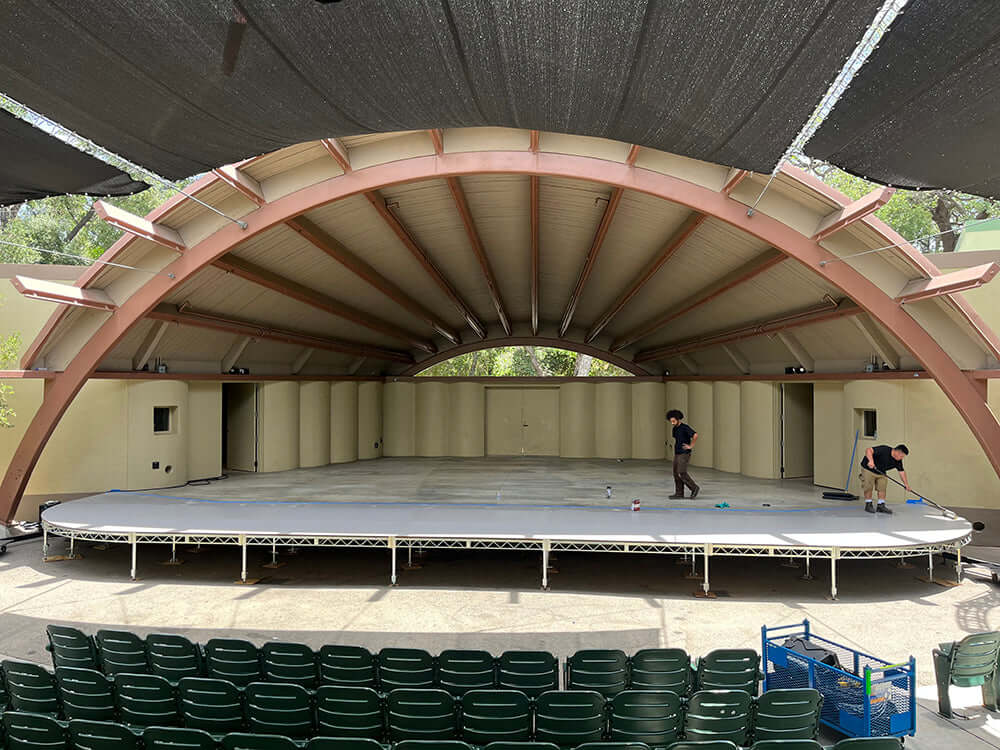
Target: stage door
796, 430
522, 421
239, 426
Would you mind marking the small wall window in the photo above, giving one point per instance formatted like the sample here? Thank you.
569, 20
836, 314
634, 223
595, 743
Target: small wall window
869, 423
163, 419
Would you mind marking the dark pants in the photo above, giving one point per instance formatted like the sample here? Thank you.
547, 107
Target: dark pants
681, 476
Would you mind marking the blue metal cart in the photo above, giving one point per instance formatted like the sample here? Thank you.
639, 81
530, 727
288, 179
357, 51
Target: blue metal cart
863, 696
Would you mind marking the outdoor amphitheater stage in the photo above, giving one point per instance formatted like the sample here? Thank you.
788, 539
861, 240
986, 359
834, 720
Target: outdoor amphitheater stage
544, 504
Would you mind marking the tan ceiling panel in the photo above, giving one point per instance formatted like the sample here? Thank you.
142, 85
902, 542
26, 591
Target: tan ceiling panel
285, 160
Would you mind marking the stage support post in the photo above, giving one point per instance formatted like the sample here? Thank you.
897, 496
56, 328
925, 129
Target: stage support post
134, 542
243, 555
930, 567
958, 564
45, 542
834, 555
808, 575
708, 553
72, 545
392, 546
546, 546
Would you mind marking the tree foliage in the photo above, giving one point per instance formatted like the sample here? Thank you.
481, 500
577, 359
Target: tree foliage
8, 354
530, 361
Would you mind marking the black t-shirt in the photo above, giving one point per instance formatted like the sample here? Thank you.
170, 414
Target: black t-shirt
883, 460
682, 435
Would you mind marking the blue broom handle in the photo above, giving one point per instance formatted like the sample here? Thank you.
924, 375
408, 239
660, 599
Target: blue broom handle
850, 466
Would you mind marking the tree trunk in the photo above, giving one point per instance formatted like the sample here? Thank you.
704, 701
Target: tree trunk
80, 224
941, 213
535, 363
583, 363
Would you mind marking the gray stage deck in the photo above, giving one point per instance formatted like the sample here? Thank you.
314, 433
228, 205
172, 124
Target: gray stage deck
544, 504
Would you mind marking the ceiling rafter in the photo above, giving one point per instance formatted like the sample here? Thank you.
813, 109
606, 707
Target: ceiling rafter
338, 151
140, 227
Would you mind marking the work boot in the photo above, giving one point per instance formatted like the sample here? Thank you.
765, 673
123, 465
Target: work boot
694, 492
883, 508
677, 496
869, 506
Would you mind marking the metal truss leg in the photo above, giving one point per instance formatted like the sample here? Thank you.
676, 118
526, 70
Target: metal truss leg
72, 540
243, 559
834, 554
545, 564
807, 576
708, 553
392, 573
45, 542
958, 564
135, 545
930, 567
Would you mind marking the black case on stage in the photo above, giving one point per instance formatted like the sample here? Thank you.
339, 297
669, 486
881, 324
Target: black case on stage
820, 654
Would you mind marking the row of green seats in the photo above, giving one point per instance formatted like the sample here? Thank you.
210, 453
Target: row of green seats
25, 731
607, 671
656, 718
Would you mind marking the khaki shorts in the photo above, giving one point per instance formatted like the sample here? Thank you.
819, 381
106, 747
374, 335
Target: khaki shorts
870, 481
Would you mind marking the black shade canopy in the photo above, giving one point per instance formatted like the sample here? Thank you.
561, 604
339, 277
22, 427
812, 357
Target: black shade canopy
187, 85
924, 111
33, 164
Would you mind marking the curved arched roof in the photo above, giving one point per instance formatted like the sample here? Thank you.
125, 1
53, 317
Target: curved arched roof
382, 254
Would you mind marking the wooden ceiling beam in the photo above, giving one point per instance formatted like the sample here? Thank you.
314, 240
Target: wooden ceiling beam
339, 153
140, 227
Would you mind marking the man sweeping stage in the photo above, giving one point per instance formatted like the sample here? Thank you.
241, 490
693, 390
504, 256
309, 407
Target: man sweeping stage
876, 462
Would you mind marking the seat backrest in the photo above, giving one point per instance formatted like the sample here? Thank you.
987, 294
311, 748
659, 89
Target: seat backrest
704, 745
495, 716
431, 745
661, 669
405, 668
232, 659
173, 656
146, 700
611, 745
349, 711
343, 743
460, 671
603, 670
974, 659
719, 715
569, 718
85, 694
253, 741
421, 714
652, 717
347, 665
786, 745
27, 731
121, 651
729, 669
71, 647
531, 672
31, 688
177, 738
521, 746
210, 704
289, 662
789, 714
101, 735
279, 708
869, 743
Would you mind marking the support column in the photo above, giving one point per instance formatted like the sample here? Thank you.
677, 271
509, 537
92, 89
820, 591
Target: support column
134, 542
546, 545
392, 572
708, 553
834, 555
243, 554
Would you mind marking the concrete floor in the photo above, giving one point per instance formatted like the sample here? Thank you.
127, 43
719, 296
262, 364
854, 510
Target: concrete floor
491, 600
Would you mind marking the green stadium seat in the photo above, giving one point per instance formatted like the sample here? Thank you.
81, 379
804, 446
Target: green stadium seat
531, 672
791, 714
177, 738
609, 745
495, 716
869, 743
431, 745
343, 743
970, 662
461, 671
210, 704
121, 651
786, 745
603, 670
729, 669
569, 718
405, 668
31, 688
347, 665
279, 708
146, 700
234, 660
173, 657
252, 741
27, 731
719, 715
101, 735
4, 697
289, 662
85, 694
347, 711
661, 669
650, 717
704, 745
71, 647
521, 746
421, 714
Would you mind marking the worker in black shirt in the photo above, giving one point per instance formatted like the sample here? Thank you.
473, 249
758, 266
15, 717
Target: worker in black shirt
684, 439
876, 462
